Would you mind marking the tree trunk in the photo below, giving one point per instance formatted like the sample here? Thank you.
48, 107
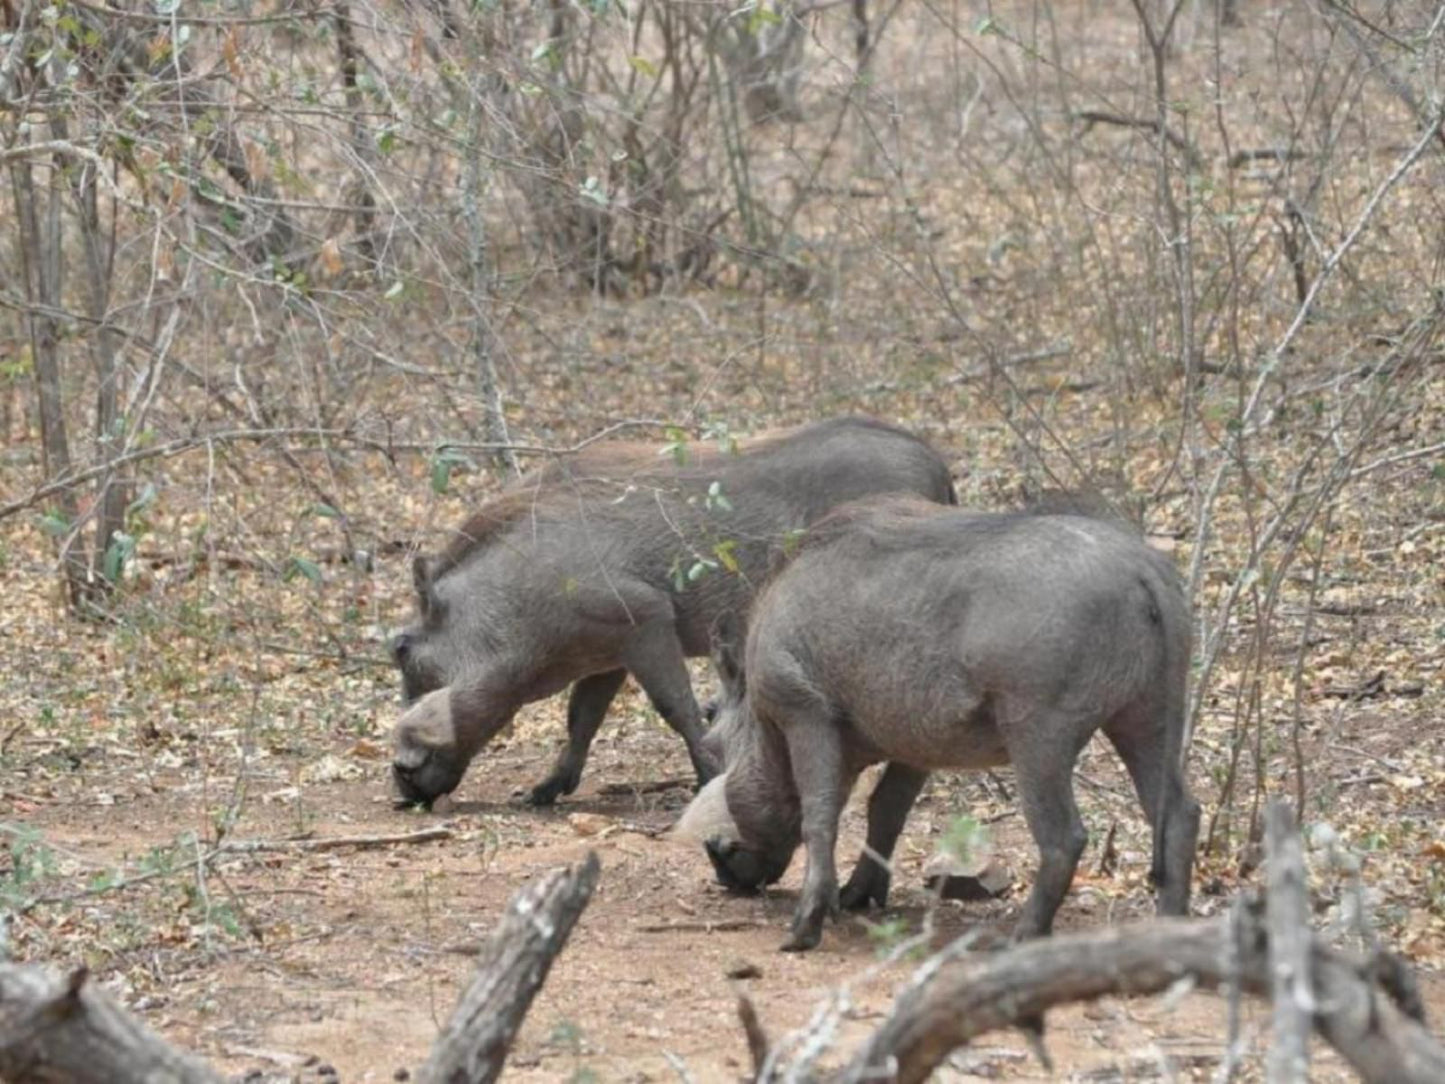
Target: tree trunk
40, 260
479, 280
360, 138
111, 496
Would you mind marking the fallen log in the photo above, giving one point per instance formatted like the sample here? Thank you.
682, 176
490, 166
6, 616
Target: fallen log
1369, 1011
58, 1029
957, 998
1287, 913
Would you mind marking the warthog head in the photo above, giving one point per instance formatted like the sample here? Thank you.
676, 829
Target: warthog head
428, 762
455, 703
748, 818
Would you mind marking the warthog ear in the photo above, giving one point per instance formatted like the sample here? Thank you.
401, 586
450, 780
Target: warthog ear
726, 639
422, 568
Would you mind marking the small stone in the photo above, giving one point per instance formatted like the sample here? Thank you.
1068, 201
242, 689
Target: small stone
588, 824
989, 882
743, 969
366, 749
401, 1074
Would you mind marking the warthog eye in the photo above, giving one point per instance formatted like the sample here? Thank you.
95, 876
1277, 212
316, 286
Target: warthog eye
401, 647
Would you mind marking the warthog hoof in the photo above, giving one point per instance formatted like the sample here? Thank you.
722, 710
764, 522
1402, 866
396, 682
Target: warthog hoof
807, 932
550, 789
868, 885
808, 921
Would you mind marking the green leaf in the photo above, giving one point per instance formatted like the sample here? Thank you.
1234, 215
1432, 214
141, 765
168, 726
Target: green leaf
717, 499
963, 838
724, 551
300, 566
117, 553
143, 500
324, 510
54, 524
676, 445
441, 474
592, 190
643, 66
444, 461
700, 567
762, 16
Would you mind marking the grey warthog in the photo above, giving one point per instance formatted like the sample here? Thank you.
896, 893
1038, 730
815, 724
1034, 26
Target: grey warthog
933, 638
616, 562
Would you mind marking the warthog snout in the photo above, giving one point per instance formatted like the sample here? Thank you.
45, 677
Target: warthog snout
426, 782
739, 869
427, 763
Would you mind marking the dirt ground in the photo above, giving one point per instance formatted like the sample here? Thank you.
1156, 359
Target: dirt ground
352, 959
242, 702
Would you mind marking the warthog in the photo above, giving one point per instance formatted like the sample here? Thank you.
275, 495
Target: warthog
937, 638
616, 562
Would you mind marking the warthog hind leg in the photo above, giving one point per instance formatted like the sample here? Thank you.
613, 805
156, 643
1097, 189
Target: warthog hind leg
656, 660
586, 709
888, 808
1043, 745
1142, 743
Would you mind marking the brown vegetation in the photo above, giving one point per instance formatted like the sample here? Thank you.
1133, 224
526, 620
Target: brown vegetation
290, 291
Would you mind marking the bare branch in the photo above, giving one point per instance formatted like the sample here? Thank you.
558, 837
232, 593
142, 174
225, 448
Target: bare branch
476, 1040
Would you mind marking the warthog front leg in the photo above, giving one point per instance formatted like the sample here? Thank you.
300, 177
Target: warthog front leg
816, 752
656, 660
586, 709
888, 808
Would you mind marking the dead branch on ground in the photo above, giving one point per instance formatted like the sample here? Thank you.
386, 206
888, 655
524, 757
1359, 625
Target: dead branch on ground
1368, 1010
332, 843
58, 1029
475, 1043
66, 1030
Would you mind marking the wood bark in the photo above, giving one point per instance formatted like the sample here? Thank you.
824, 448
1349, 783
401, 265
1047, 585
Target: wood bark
1287, 914
98, 246
41, 266
67, 1030
474, 1044
958, 997
350, 57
